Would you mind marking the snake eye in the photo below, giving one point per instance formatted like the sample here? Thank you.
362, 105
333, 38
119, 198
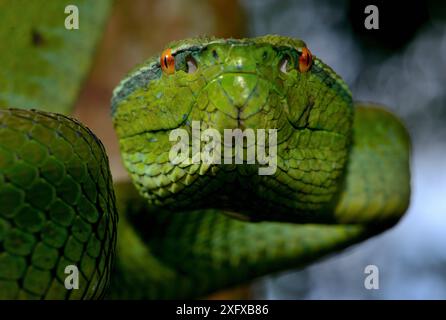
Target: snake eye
305, 60
284, 64
191, 64
167, 62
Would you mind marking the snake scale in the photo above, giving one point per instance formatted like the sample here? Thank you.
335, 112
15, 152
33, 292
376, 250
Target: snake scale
186, 230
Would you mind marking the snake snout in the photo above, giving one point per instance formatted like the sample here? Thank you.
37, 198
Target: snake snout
236, 97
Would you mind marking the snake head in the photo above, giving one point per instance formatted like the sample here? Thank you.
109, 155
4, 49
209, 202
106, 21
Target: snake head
263, 105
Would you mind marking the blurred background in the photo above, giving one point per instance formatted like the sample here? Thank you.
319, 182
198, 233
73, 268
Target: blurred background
401, 65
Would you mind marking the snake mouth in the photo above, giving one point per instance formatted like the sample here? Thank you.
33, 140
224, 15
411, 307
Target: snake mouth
242, 94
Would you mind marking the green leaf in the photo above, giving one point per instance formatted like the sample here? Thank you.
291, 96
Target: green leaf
42, 64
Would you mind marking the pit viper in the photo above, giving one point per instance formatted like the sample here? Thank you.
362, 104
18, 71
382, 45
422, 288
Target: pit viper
185, 230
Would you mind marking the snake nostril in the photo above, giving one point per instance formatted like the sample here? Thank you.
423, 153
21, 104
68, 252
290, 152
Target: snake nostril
191, 64
284, 64
215, 54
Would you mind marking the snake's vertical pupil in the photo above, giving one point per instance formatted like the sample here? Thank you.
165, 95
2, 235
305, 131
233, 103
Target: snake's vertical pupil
167, 61
305, 60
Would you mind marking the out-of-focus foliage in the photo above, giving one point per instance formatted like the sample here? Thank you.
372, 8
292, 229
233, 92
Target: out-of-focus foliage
42, 64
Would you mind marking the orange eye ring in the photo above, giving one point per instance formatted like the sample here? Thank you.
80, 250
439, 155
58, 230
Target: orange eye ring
167, 62
305, 60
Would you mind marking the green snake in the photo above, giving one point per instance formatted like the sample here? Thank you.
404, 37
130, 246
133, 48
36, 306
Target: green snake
188, 229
